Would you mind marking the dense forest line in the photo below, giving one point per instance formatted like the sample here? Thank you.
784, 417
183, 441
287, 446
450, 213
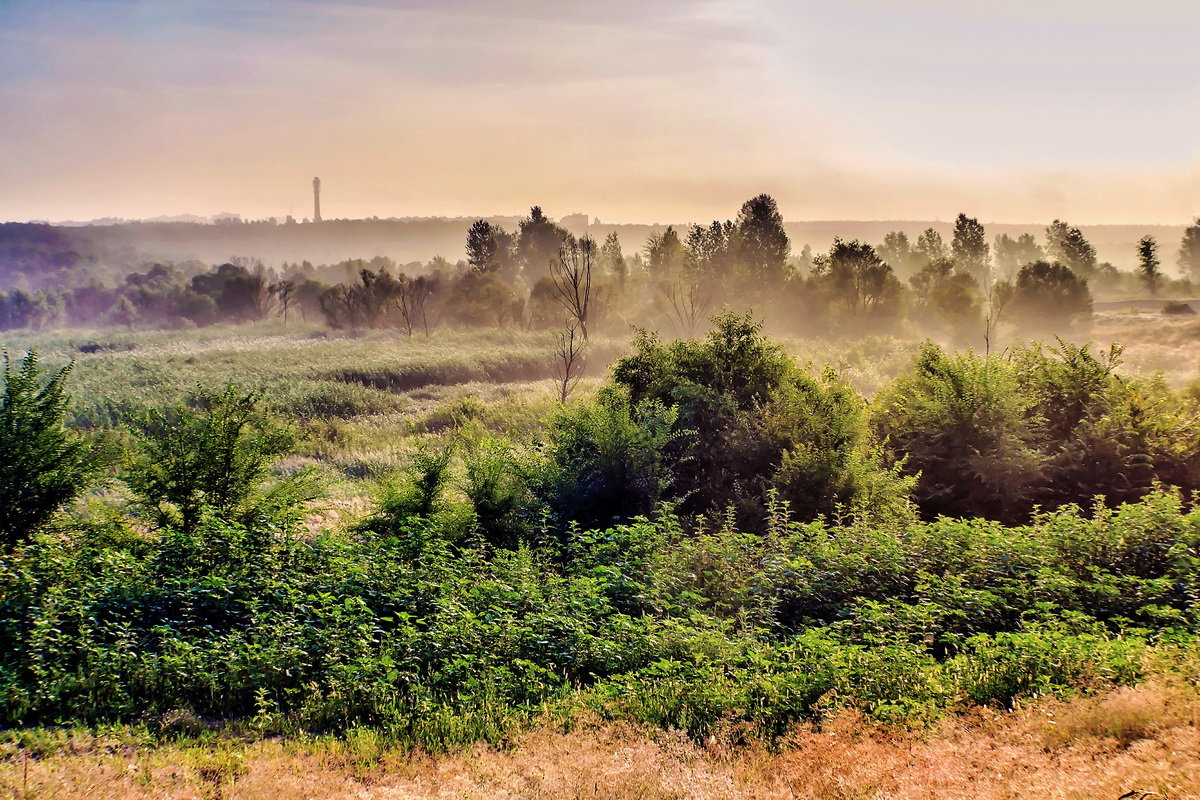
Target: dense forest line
958, 289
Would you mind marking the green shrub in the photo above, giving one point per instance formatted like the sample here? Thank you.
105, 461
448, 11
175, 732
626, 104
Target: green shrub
42, 464
958, 423
606, 459
751, 419
214, 451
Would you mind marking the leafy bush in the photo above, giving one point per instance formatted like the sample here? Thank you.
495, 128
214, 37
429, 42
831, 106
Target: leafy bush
606, 459
214, 452
999, 436
959, 424
42, 464
751, 419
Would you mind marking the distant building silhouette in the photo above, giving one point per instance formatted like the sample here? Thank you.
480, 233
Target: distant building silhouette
316, 199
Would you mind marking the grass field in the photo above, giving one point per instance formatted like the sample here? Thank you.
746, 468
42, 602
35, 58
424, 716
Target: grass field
363, 401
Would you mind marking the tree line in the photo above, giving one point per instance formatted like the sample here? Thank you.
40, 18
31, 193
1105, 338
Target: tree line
542, 276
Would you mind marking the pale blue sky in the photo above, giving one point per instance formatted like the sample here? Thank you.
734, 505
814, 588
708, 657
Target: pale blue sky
639, 111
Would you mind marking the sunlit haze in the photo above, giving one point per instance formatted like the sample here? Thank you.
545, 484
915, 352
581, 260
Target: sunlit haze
628, 111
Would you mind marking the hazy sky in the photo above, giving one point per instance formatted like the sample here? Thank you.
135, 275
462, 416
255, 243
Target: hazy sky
650, 110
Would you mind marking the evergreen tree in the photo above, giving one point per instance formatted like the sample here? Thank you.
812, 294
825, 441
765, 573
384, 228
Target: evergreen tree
482, 247
44, 465
1148, 263
762, 244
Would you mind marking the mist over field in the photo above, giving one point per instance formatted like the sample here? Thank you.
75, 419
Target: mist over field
733, 398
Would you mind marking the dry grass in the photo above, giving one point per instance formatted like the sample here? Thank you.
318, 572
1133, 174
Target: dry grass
1153, 344
1144, 740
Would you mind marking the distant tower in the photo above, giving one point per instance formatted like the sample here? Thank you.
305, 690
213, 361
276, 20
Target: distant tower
316, 199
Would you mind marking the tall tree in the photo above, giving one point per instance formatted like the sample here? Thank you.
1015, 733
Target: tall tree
930, 247
762, 243
1148, 263
664, 254
612, 260
709, 252
538, 241
1189, 251
970, 248
1068, 246
897, 251
482, 247
1012, 254
858, 279
491, 250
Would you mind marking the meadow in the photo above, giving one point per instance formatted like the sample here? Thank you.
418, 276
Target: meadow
402, 603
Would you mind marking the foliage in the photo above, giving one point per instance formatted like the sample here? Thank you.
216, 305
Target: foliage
439, 645
970, 248
762, 244
1068, 246
607, 459
752, 419
855, 278
1148, 264
1012, 254
958, 423
1050, 296
42, 465
213, 452
948, 298
998, 436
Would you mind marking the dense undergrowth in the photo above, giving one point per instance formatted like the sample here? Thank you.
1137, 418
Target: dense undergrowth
718, 540
441, 643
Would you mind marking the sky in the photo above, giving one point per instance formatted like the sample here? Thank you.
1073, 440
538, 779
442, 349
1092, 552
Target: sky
630, 111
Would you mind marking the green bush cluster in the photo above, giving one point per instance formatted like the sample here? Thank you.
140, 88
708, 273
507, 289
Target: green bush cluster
405, 626
998, 436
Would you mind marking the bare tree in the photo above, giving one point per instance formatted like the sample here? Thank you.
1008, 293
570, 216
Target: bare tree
340, 305
412, 300
569, 360
284, 293
685, 304
572, 276
999, 293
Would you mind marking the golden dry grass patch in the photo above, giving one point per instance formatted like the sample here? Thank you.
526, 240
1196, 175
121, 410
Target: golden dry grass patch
1143, 740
